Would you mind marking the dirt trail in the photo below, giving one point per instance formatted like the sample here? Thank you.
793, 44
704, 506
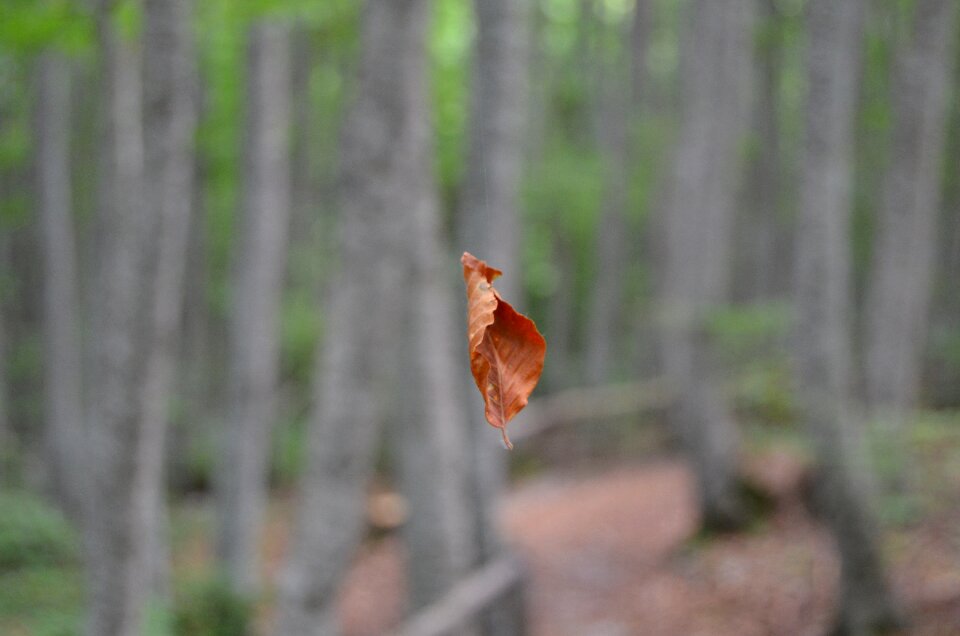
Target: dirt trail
611, 555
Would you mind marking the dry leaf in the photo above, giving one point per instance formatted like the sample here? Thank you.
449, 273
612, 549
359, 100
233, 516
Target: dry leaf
506, 350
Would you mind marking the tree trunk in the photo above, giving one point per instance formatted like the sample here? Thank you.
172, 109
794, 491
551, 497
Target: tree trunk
8, 437
429, 430
430, 435
904, 250
763, 270
824, 305
380, 192
254, 321
698, 227
198, 379
561, 315
170, 122
63, 398
490, 227
116, 523
620, 103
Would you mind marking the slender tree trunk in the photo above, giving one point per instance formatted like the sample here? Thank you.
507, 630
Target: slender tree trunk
561, 314
116, 523
8, 437
490, 223
698, 228
824, 306
63, 399
304, 170
620, 104
942, 377
254, 323
430, 435
197, 382
491, 228
428, 431
490, 220
379, 194
904, 251
762, 271
170, 122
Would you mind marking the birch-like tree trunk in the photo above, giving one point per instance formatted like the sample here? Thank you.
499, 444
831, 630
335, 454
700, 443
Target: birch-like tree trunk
169, 124
116, 520
763, 272
899, 294
824, 311
380, 193
561, 314
254, 323
63, 392
619, 105
429, 431
489, 215
8, 436
715, 90
490, 227
429, 428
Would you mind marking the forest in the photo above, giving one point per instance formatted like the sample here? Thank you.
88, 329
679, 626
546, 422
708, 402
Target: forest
238, 391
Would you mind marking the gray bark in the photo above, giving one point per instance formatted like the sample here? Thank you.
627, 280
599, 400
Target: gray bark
430, 436
380, 195
490, 222
198, 378
116, 523
253, 327
63, 397
824, 309
8, 438
620, 104
429, 430
170, 121
698, 237
899, 294
764, 269
491, 229
942, 379
561, 315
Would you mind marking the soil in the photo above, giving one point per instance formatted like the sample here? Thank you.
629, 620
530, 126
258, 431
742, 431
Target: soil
613, 553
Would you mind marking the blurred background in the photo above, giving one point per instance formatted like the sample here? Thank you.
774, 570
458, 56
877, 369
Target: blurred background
234, 384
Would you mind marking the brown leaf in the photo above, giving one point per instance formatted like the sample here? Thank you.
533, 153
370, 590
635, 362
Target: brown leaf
506, 350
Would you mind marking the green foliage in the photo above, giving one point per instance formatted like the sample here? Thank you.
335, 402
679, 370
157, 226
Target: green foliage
41, 601
946, 348
918, 473
197, 472
746, 331
763, 390
301, 324
210, 608
221, 62
450, 54
752, 342
32, 533
563, 194
289, 452
27, 26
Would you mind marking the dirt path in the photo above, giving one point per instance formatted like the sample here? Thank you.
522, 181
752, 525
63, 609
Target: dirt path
611, 555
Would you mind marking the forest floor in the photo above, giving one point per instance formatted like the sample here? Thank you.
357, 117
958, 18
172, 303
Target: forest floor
612, 552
